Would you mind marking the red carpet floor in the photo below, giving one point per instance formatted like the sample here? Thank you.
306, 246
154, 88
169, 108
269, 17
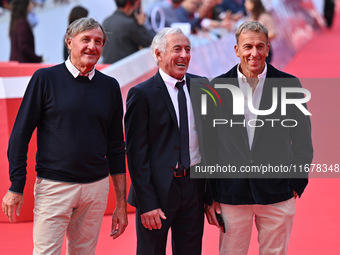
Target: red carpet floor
316, 228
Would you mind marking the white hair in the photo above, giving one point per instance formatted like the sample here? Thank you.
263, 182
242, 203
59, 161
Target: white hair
159, 41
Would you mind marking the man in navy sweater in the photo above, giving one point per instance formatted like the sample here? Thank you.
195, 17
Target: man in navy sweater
78, 112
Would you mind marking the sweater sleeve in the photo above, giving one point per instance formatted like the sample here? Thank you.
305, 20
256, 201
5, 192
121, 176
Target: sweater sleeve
116, 144
26, 121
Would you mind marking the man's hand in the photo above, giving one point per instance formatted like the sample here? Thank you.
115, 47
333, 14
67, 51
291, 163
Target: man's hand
140, 17
119, 222
9, 202
152, 220
119, 216
210, 213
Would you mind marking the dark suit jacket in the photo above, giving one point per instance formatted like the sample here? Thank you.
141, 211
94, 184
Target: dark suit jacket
152, 143
124, 37
274, 146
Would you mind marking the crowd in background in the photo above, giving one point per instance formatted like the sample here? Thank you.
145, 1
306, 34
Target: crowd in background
131, 28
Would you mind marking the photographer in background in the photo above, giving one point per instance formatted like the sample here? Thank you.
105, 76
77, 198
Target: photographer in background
125, 30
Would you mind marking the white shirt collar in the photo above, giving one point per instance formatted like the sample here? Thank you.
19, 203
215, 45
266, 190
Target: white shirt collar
244, 78
170, 80
75, 72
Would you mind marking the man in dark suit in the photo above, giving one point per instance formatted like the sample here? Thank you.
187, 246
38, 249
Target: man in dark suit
126, 32
162, 144
256, 141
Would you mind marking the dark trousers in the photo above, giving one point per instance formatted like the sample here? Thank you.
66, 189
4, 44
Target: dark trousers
184, 215
328, 11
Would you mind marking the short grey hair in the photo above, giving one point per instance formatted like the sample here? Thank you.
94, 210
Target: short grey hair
159, 41
251, 26
81, 25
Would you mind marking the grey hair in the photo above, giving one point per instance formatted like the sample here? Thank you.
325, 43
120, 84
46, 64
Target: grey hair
81, 25
250, 26
159, 41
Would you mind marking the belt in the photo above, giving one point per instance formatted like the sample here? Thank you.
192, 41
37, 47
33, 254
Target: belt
181, 172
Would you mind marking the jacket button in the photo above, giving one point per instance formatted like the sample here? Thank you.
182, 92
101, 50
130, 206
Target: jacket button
176, 147
251, 161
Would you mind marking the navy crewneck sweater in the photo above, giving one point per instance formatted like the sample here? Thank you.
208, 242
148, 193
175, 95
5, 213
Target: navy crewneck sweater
79, 128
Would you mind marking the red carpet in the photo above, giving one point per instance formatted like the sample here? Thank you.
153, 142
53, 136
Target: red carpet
317, 223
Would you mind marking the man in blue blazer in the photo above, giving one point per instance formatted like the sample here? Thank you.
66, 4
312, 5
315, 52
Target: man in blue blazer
162, 143
254, 141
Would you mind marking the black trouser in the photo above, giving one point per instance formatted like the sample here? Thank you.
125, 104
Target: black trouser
184, 215
329, 11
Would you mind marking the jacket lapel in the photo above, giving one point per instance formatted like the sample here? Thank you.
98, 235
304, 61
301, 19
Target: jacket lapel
266, 100
265, 104
165, 97
239, 118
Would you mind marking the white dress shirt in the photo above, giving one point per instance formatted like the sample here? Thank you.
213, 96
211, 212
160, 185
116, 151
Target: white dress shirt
256, 98
170, 82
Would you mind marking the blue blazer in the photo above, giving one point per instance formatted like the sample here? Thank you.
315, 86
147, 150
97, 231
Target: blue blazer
271, 146
152, 142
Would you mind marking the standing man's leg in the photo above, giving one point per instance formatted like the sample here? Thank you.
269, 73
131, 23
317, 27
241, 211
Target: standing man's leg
238, 220
83, 230
187, 227
274, 223
151, 242
53, 205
